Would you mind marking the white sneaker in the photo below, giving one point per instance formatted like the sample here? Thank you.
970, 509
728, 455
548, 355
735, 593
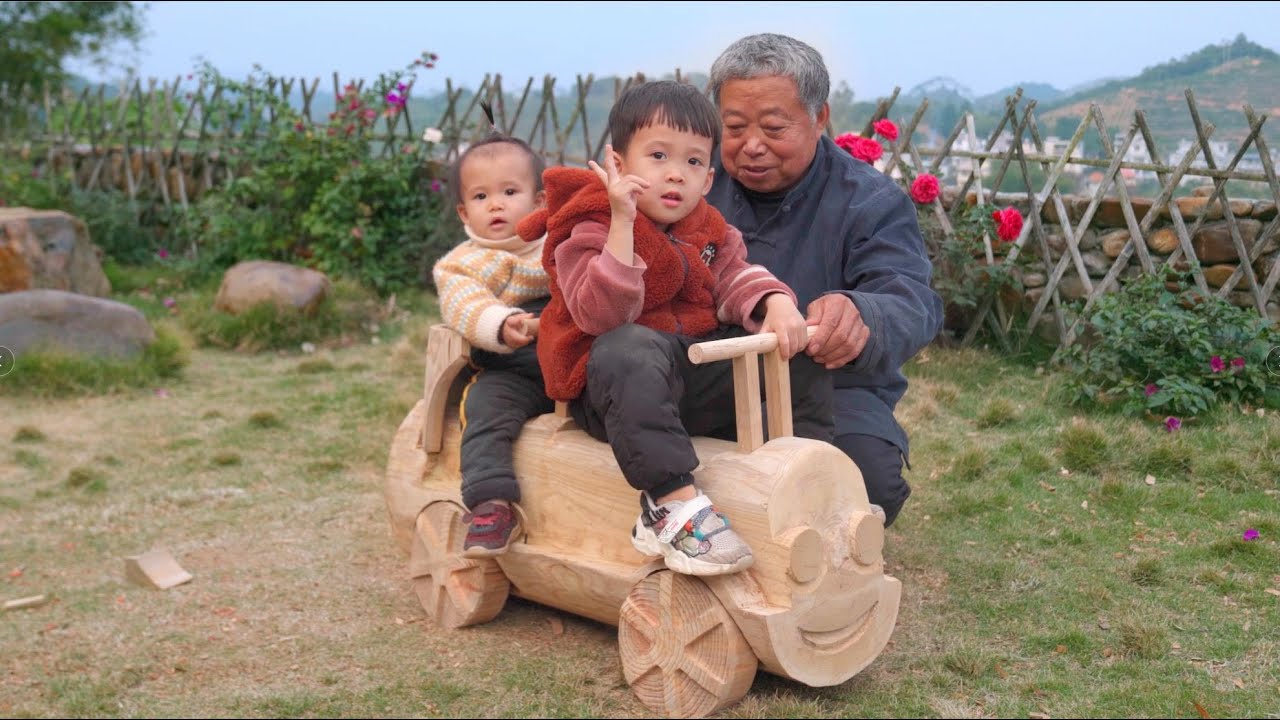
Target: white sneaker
691, 536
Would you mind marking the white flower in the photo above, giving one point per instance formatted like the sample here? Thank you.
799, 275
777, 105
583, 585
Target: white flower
432, 135
308, 348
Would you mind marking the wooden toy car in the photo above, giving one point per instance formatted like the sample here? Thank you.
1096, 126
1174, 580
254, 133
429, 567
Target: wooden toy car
815, 607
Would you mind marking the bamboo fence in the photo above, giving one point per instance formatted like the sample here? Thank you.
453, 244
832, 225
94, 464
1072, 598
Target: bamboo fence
170, 145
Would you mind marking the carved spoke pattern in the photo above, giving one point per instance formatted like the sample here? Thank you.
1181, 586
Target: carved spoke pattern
455, 591
681, 651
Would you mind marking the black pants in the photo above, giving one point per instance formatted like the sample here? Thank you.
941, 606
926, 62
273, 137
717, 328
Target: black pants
501, 397
880, 462
645, 399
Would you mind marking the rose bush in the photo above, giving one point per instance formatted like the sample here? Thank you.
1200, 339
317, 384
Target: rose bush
329, 197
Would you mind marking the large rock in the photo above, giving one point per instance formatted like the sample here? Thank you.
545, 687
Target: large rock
1113, 243
260, 281
1213, 244
1163, 241
1110, 212
1095, 263
48, 249
79, 324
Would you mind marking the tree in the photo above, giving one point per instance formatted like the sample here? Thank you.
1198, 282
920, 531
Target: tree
842, 110
37, 38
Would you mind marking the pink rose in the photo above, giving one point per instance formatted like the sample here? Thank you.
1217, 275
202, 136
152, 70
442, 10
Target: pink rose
1008, 223
886, 128
924, 189
846, 141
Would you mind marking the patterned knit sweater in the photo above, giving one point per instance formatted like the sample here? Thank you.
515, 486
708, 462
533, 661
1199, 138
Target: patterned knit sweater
482, 282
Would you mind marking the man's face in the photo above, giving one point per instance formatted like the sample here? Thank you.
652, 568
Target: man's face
769, 137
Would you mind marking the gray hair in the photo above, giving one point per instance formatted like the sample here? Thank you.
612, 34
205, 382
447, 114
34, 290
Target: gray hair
769, 54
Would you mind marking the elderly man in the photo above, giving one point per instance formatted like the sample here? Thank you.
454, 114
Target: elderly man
835, 229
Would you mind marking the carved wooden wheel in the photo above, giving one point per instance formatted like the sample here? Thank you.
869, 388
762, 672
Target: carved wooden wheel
681, 651
455, 591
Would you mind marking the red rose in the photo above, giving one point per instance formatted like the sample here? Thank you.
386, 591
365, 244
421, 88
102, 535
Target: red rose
886, 128
846, 141
1008, 223
924, 189
866, 150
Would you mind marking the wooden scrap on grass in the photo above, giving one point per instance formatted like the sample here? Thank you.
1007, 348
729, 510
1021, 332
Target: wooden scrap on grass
155, 569
26, 602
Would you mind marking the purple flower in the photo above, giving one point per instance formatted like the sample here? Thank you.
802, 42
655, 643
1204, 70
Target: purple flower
1172, 423
1237, 363
170, 302
393, 99
400, 87
1151, 389
1250, 534
163, 254
436, 186
1216, 363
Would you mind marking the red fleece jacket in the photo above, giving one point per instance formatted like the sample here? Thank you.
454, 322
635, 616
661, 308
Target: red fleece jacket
687, 281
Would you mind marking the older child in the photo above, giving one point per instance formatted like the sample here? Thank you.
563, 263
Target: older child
641, 268
487, 286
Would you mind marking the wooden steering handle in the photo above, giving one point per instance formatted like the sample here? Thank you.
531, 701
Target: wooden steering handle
713, 350
746, 383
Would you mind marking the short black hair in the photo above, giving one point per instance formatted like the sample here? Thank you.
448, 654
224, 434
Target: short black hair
678, 105
536, 163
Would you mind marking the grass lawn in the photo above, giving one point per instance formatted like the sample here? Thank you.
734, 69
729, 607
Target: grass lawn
1054, 563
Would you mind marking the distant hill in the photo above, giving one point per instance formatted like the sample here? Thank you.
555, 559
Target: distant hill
1223, 78
940, 89
1042, 93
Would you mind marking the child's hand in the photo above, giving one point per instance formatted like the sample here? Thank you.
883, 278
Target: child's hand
624, 190
517, 331
781, 316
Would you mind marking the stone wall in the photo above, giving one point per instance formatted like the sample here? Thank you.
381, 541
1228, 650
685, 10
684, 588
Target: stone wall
1108, 233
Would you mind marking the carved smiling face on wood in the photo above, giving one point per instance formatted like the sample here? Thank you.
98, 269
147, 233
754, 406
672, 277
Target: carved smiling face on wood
817, 606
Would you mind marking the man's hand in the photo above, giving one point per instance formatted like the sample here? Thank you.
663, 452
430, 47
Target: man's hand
624, 190
516, 332
841, 333
781, 316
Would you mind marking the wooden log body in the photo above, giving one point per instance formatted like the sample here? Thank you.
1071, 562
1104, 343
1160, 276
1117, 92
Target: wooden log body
816, 606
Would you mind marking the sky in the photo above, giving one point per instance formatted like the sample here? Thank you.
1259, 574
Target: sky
873, 46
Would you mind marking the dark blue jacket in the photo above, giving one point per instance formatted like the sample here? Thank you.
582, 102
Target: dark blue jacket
846, 227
